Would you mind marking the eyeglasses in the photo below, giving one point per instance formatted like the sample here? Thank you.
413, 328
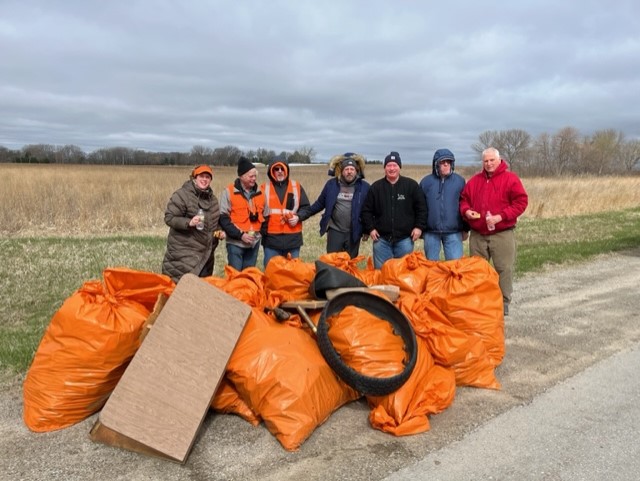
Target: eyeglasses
278, 169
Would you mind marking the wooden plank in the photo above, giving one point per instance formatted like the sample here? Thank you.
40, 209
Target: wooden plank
303, 304
390, 292
157, 308
163, 396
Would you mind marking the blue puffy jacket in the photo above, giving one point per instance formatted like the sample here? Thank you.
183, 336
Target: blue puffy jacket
443, 197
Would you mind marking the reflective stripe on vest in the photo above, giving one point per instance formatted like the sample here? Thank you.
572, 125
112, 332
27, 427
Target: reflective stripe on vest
276, 209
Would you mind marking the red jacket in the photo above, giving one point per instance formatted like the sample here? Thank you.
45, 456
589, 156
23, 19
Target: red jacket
502, 193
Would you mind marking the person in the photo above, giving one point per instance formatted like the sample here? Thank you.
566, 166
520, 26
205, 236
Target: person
191, 242
241, 216
282, 230
491, 202
341, 200
445, 226
394, 213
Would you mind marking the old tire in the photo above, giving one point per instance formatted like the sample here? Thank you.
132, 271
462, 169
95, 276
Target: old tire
383, 309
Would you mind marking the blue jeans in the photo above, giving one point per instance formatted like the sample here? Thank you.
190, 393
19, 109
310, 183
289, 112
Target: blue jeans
242, 257
269, 253
384, 250
451, 243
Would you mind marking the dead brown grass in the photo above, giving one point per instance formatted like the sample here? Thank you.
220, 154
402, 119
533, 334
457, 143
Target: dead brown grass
78, 200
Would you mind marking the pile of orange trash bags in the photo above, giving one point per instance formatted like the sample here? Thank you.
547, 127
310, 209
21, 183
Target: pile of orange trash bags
276, 373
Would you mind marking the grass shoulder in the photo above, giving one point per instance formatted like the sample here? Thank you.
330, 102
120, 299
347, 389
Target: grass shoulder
38, 273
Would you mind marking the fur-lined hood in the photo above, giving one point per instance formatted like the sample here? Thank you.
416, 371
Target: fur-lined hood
335, 162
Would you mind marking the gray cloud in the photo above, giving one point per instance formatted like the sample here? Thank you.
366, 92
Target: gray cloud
358, 76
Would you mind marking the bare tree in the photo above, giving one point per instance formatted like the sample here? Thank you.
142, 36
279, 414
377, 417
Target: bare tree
307, 152
630, 154
201, 155
39, 153
227, 155
566, 150
7, 155
540, 160
70, 154
513, 144
601, 151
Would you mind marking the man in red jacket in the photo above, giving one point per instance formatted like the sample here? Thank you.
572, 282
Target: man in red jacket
491, 202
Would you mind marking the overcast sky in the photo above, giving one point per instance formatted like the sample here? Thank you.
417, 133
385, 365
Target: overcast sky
362, 76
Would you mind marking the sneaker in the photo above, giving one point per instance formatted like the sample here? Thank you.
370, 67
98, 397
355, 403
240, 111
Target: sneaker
506, 309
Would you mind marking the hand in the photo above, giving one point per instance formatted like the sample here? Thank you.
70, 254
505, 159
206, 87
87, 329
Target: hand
374, 235
493, 219
416, 234
472, 214
247, 239
293, 220
365, 237
194, 221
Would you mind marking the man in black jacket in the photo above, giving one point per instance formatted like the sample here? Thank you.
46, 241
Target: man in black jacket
394, 213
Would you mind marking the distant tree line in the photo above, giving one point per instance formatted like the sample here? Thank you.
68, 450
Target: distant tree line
71, 154
565, 152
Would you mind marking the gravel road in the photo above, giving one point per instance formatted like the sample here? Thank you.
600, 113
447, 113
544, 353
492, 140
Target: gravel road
563, 321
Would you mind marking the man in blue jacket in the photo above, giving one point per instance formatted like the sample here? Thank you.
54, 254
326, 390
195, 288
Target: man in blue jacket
341, 199
445, 226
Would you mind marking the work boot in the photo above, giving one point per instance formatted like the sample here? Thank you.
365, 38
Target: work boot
506, 309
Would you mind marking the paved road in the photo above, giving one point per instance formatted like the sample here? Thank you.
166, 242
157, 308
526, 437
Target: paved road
566, 410
586, 429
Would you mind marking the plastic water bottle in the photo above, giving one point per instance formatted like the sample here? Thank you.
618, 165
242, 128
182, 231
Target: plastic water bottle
490, 226
200, 224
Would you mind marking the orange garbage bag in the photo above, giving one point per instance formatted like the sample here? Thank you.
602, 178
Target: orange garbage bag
367, 343
227, 400
429, 390
467, 292
477, 369
409, 273
289, 278
447, 344
342, 260
246, 286
87, 346
280, 373
450, 346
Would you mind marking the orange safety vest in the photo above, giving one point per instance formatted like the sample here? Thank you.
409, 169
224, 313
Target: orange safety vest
241, 210
277, 211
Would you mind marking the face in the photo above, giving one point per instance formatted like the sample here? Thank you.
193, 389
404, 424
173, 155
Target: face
203, 181
445, 167
490, 162
249, 178
392, 171
279, 173
349, 173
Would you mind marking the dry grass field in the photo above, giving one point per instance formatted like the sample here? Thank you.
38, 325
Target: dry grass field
81, 200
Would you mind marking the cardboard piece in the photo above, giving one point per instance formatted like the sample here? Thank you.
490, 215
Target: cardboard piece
165, 393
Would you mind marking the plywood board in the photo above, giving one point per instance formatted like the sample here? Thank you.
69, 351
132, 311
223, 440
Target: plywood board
163, 396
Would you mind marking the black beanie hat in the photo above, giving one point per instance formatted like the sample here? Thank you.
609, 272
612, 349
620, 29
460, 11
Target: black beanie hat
244, 166
393, 157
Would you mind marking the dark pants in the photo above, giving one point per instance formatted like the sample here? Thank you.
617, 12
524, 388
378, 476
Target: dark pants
207, 270
341, 242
